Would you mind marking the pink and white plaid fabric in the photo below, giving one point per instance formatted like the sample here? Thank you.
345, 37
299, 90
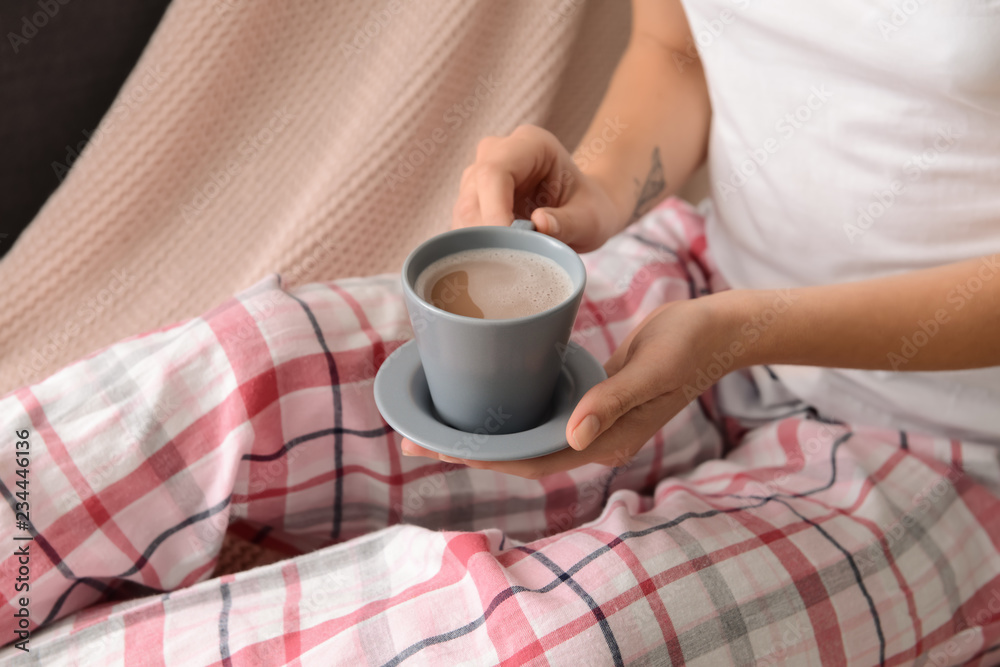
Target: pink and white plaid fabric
798, 541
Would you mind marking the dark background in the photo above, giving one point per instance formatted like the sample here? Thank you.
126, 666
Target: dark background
56, 86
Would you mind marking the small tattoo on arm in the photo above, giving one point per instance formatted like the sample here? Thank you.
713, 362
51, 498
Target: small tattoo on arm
650, 191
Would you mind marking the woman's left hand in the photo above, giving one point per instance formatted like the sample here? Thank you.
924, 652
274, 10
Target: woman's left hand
651, 377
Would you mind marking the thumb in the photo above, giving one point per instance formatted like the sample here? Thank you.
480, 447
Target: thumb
562, 223
608, 401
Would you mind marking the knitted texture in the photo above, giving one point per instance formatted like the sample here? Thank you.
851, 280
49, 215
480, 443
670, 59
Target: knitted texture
313, 139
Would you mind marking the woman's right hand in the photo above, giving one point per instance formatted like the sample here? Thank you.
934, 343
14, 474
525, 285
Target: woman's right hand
529, 174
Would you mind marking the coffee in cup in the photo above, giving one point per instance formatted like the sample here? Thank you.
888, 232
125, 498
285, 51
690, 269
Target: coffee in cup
494, 283
490, 348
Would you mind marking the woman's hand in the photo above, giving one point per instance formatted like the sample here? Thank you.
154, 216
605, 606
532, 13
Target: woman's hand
869, 324
529, 174
652, 376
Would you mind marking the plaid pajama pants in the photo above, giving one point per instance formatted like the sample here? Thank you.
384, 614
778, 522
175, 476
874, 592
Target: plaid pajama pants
798, 540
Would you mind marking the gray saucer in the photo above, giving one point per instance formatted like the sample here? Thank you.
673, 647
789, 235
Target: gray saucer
402, 397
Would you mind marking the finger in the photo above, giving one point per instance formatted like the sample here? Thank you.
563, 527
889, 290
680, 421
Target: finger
504, 165
618, 358
615, 447
496, 194
465, 212
547, 222
573, 224
561, 221
621, 355
633, 385
536, 468
619, 444
410, 448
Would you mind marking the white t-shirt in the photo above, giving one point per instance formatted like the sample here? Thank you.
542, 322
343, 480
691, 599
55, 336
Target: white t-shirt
856, 139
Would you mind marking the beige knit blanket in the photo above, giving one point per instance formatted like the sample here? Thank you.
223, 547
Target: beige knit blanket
314, 139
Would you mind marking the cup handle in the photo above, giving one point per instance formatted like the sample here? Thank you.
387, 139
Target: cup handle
523, 224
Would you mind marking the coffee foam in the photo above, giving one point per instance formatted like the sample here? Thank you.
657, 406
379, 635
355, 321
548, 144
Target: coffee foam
503, 282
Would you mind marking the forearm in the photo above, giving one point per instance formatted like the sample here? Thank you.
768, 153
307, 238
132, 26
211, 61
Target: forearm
944, 318
651, 131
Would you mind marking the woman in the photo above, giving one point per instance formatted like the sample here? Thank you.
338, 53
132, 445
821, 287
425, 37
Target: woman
853, 517
837, 188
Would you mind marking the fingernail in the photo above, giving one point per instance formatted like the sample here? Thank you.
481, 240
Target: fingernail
553, 224
587, 430
448, 459
406, 452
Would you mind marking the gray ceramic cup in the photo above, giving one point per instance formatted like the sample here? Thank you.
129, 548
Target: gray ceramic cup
492, 376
